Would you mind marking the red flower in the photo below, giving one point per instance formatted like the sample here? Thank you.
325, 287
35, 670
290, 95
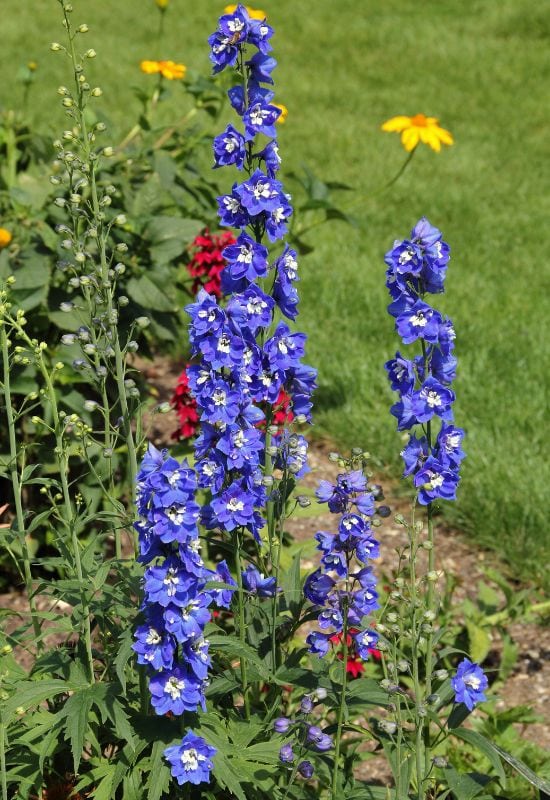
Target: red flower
185, 407
207, 262
354, 664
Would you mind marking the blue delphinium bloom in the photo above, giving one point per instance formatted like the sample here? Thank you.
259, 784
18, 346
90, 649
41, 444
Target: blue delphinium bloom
230, 148
256, 583
344, 580
417, 267
191, 761
469, 684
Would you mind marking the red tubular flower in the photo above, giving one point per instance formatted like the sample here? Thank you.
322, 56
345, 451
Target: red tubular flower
207, 262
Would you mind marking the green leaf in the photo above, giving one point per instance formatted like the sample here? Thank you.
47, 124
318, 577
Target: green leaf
485, 747
123, 655
467, 786
542, 784
147, 294
480, 641
31, 693
159, 776
226, 776
292, 585
77, 710
236, 649
170, 236
364, 791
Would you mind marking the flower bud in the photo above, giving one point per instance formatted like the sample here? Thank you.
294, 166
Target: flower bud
55, 47
97, 92
82, 28
91, 53
107, 151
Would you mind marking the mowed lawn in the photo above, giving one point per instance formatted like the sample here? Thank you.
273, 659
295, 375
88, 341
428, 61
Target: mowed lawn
483, 68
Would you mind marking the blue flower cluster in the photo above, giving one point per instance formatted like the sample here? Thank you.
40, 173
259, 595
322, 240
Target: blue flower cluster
344, 585
176, 603
416, 267
242, 359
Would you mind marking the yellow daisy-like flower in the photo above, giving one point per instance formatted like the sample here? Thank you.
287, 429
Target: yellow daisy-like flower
162, 4
284, 112
5, 238
419, 129
253, 13
168, 69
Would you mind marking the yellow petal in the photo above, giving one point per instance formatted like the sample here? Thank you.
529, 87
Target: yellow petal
443, 135
172, 71
150, 67
396, 124
409, 139
284, 112
428, 136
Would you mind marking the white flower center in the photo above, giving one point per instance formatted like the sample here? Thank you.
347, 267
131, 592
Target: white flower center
175, 514
235, 505
174, 687
278, 215
190, 759
473, 681
245, 254
153, 637
219, 397
224, 343
433, 399
419, 320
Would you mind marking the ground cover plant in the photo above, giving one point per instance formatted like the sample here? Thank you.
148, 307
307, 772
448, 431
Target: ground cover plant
174, 643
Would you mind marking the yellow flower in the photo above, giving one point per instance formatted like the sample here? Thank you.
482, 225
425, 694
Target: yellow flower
253, 13
419, 129
5, 238
32, 66
284, 112
162, 4
168, 69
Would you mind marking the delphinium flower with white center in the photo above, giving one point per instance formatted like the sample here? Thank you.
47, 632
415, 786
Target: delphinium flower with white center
191, 761
416, 268
170, 642
469, 684
242, 361
343, 587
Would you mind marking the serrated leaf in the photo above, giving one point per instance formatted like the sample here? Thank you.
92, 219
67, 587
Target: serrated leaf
123, 655
159, 777
226, 777
31, 693
77, 711
541, 783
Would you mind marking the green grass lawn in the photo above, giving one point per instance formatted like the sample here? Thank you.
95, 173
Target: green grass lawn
483, 68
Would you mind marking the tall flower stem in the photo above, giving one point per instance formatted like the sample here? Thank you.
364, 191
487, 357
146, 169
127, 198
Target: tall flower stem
3, 770
67, 516
106, 282
17, 488
242, 626
342, 705
418, 720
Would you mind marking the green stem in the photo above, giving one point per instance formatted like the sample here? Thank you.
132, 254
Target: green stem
3, 769
361, 199
17, 489
112, 315
342, 705
418, 720
242, 628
